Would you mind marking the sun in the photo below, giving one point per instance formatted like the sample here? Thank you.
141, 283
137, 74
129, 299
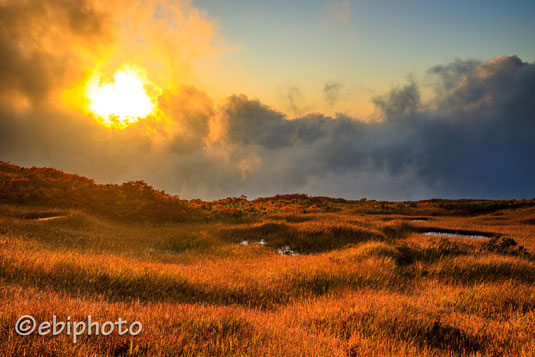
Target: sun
121, 102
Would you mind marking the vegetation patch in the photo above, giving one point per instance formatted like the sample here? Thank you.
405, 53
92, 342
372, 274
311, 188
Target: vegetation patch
185, 241
309, 238
506, 246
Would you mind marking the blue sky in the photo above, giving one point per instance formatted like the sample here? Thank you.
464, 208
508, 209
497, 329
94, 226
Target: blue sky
366, 45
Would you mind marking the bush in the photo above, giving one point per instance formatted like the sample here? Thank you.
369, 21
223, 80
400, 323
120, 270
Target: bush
506, 246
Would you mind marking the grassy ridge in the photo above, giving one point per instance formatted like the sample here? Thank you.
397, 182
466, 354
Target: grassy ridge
138, 201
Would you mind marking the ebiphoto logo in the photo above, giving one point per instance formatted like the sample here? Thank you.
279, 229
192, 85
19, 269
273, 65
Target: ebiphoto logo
26, 325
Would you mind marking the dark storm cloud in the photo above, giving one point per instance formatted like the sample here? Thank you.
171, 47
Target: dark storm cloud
474, 141
481, 134
252, 123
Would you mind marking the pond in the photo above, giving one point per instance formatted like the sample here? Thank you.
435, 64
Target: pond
285, 250
457, 235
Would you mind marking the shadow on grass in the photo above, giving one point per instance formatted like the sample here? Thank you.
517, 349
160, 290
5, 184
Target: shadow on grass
419, 329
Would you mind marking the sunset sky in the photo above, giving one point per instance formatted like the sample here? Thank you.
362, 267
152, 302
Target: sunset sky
206, 99
366, 46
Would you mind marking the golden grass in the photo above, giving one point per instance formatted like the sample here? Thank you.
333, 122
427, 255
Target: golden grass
362, 285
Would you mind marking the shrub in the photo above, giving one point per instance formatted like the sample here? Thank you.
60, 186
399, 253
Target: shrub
506, 246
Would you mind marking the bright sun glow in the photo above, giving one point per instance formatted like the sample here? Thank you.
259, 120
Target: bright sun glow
123, 101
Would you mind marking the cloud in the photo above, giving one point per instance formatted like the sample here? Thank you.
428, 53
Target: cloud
331, 92
471, 141
39, 43
48, 49
474, 138
293, 99
189, 111
400, 102
48, 46
444, 78
337, 12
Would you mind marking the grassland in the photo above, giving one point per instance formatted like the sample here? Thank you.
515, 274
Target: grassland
365, 280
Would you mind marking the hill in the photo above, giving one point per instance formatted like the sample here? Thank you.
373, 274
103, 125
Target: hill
138, 200
287, 275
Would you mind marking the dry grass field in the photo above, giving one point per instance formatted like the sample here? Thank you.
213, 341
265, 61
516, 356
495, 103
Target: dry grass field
358, 279
361, 284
